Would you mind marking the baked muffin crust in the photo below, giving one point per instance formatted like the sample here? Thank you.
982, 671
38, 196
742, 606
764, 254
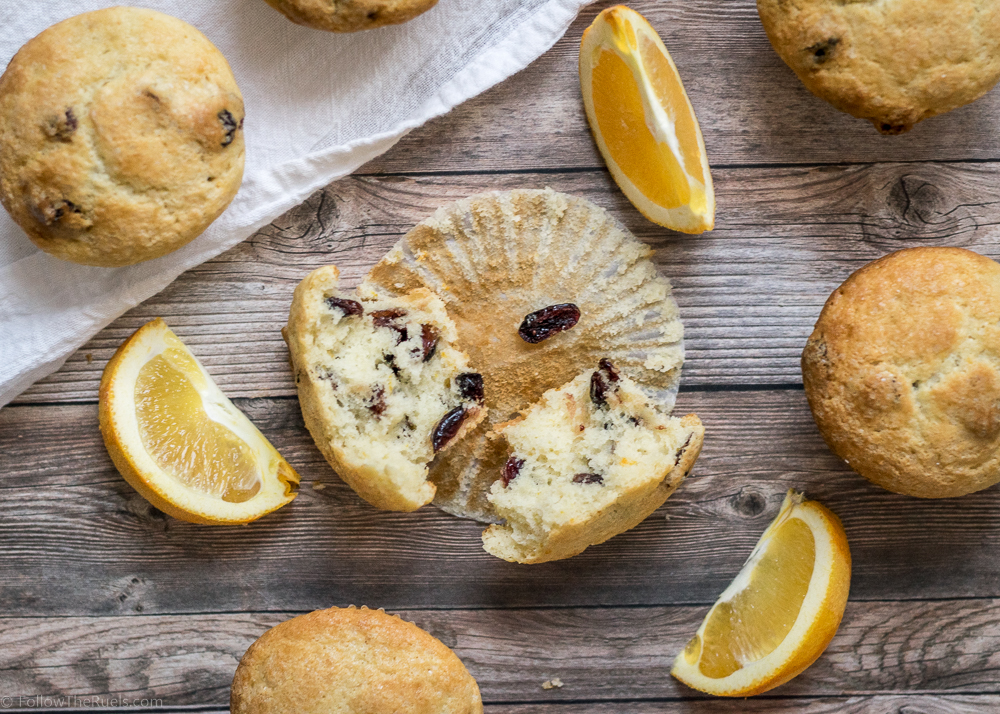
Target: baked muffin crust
383, 390
893, 62
902, 372
350, 15
351, 661
120, 136
590, 460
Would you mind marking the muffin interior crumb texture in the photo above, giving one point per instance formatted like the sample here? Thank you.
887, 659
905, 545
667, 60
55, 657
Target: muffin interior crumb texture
507, 263
390, 391
580, 462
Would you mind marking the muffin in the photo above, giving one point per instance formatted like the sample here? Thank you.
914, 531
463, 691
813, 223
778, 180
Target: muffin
382, 387
894, 62
350, 661
902, 372
350, 15
120, 136
591, 460
541, 286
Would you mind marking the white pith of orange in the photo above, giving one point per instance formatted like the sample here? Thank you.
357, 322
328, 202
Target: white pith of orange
180, 442
779, 613
643, 122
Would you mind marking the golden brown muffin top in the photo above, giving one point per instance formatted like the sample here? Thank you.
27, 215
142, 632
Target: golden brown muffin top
902, 371
894, 62
350, 15
351, 661
120, 136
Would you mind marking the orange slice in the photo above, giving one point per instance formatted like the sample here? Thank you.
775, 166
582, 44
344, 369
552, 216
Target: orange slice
180, 442
643, 122
780, 613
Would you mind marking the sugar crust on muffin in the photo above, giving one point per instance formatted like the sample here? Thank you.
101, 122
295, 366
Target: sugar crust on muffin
349, 661
902, 372
894, 62
120, 136
350, 15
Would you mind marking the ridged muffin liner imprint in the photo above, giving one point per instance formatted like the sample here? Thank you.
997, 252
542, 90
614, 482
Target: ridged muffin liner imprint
495, 258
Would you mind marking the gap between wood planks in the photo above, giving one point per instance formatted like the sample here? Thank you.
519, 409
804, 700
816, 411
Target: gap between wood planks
602, 168
687, 389
606, 655
611, 654
66, 510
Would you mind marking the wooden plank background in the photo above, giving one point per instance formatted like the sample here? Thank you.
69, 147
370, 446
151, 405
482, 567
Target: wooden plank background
102, 595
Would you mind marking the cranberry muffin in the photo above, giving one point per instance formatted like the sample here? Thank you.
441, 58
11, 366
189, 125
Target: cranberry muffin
120, 136
893, 62
902, 372
350, 15
590, 460
383, 388
541, 285
351, 661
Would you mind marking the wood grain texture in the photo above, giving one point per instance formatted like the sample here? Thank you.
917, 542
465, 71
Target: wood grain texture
79, 541
751, 107
598, 653
877, 704
749, 292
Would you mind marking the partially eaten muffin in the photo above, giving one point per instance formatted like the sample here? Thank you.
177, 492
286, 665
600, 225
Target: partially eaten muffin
590, 460
382, 387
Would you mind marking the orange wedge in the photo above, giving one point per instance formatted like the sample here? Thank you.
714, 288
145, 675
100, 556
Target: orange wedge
643, 122
780, 613
180, 442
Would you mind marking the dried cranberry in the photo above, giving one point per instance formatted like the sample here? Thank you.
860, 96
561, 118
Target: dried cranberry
680, 451
470, 386
387, 318
377, 403
349, 307
62, 128
447, 428
588, 478
511, 469
229, 125
49, 213
603, 381
542, 324
429, 337
390, 359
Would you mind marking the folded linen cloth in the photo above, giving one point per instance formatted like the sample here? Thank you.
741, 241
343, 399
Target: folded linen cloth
318, 106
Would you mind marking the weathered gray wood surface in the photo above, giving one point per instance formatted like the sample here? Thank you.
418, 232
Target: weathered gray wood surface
102, 595
66, 516
599, 654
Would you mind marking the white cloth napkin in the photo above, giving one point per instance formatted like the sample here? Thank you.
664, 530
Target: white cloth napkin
318, 106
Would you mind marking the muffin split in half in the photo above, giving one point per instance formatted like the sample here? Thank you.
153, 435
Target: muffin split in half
588, 461
381, 385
